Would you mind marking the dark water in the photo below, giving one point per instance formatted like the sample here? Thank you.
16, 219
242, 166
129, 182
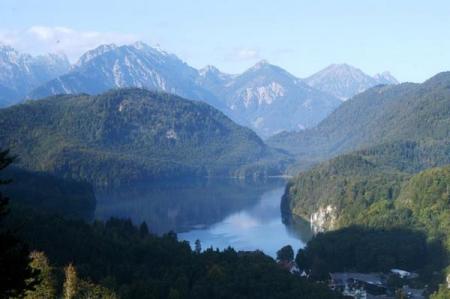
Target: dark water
219, 212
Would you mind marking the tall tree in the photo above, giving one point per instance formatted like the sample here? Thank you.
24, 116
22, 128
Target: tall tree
198, 246
70, 283
46, 289
16, 275
285, 254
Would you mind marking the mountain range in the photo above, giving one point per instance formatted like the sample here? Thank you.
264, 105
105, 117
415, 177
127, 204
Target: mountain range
265, 98
21, 73
268, 99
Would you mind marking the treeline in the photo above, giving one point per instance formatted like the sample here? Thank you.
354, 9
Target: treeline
360, 249
133, 263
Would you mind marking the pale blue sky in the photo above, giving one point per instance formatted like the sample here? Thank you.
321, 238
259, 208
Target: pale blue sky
409, 38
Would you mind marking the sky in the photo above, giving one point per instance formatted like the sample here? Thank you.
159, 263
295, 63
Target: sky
409, 38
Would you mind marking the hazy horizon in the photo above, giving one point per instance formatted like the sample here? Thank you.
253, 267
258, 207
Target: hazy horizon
300, 36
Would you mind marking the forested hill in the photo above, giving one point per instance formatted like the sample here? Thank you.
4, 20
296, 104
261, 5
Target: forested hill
382, 114
392, 182
353, 185
131, 134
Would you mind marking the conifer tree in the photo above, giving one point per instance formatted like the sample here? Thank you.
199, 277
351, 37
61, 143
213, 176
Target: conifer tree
46, 287
15, 272
198, 246
70, 287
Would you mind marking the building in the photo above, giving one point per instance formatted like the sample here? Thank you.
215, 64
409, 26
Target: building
352, 283
404, 274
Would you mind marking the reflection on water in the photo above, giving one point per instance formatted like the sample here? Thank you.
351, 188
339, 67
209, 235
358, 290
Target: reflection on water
219, 212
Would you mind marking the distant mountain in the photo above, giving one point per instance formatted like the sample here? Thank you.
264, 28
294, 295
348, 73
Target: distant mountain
130, 135
381, 114
20, 73
385, 78
136, 65
344, 81
265, 98
269, 100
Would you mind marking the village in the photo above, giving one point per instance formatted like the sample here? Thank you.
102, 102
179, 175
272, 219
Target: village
395, 284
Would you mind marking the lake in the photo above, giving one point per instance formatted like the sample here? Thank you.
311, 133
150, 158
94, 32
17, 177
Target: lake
218, 212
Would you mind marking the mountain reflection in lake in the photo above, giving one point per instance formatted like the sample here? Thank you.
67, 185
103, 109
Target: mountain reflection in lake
218, 212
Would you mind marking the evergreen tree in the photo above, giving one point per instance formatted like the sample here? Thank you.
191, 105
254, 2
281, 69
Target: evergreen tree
70, 283
143, 229
285, 254
46, 287
16, 275
442, 293
90, 290
198, 246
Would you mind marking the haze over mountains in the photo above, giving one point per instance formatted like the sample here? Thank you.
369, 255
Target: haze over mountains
265, 98
20, 73
344, 81
268, 99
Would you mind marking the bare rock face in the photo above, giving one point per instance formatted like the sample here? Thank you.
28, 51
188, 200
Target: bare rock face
324, 219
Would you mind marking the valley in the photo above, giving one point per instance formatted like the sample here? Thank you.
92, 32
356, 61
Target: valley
244, 150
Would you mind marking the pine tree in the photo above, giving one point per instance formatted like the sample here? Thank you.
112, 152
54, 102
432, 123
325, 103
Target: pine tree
198, 246
70, 283
16, 275
285, 254
46, 287
143, 229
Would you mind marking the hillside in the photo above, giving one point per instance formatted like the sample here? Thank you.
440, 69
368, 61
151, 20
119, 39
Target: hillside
404, 112
338, 192
131, 135
383, 221
397, 179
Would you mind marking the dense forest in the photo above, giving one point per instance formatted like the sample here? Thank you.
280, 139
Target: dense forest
115, 259
360, 249
358, 182
398, 215
381, 204
130, 135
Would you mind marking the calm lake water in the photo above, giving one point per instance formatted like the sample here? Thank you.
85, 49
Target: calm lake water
218, 212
